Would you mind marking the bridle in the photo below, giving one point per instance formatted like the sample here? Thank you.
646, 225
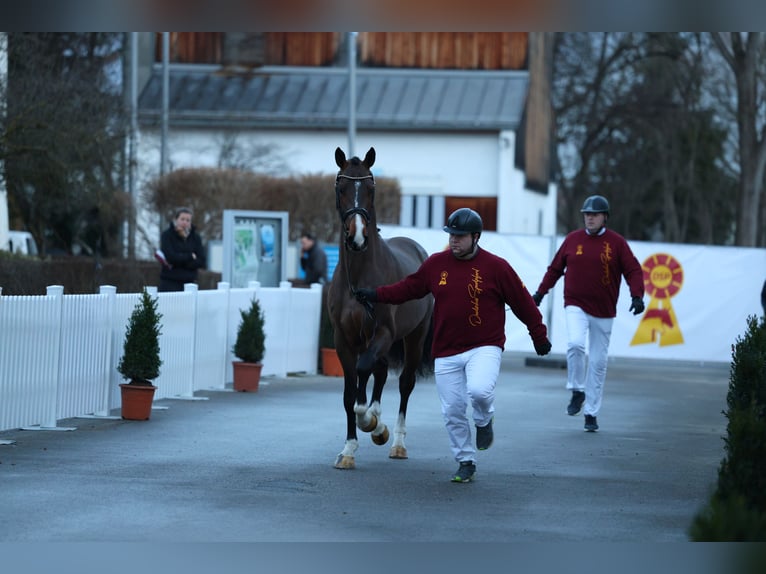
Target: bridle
356, 209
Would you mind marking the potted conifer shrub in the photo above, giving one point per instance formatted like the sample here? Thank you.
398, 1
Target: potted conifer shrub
249, 348
140, 362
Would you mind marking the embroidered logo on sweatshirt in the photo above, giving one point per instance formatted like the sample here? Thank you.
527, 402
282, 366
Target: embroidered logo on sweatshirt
474, 290
443, 278
606, 258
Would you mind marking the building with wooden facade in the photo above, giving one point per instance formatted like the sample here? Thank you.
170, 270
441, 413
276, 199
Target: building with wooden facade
459, 118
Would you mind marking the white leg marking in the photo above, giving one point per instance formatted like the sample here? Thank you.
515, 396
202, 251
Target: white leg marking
400, 431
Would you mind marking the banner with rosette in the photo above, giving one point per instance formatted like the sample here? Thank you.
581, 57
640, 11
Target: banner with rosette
663, 278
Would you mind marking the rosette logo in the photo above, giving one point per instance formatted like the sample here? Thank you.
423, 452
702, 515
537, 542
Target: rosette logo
663, 278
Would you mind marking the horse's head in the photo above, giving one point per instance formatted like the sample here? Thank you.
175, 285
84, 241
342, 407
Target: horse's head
355, 197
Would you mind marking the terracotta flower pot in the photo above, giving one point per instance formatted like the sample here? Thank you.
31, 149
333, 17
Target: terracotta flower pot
331, 363
137, 401
247, 376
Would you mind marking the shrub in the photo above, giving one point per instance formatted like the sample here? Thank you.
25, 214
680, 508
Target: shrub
140, 362
737, 509
250, 344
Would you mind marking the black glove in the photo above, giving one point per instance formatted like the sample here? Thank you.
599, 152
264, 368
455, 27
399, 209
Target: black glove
537, 298
637, 306
362, 295
543, 348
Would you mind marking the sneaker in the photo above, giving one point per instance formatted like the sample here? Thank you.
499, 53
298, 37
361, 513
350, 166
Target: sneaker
575, 405
590, 423
484, 436
465, 472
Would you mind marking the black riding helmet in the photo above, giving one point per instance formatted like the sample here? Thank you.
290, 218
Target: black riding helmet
595, 204
463, 221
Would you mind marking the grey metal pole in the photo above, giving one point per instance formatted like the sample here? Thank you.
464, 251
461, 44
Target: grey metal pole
132, 144
165, 101
351, 93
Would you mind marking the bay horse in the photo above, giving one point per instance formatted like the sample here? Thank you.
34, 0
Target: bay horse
372, 338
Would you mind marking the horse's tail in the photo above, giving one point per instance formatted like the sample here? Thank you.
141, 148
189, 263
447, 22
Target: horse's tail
426, 367
395, 354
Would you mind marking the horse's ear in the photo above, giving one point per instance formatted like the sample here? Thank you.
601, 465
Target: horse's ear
369, 159
340, 158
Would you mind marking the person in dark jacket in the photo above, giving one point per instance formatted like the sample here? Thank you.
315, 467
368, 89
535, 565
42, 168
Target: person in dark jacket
763, 298
313, 260
181, 252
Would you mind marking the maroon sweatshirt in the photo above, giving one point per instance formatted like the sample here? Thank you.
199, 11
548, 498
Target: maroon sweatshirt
469, 300
594, 267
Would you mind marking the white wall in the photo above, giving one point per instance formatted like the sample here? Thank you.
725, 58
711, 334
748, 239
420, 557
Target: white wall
432, 164
721, 287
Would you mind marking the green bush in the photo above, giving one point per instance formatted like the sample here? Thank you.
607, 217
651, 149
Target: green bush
737, 509
140, 362
251, 338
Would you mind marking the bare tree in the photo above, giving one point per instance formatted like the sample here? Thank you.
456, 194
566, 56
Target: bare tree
63, 139
745, 54
633, 125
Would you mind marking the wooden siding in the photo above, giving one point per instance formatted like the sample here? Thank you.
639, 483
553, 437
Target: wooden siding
440, 50
444, 50
274, 48
486, 207
538, 127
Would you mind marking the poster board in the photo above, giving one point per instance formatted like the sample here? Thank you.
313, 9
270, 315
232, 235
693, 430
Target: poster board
254, 247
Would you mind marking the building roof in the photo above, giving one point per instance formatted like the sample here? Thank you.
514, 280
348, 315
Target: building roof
303, 97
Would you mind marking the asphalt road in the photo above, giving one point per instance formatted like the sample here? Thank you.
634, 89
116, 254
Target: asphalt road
258, 467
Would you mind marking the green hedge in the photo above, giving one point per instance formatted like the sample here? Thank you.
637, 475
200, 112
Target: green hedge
737, 508
81, 275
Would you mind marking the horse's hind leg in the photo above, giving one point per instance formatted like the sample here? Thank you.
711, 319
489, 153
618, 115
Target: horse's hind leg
406, 384
412, 357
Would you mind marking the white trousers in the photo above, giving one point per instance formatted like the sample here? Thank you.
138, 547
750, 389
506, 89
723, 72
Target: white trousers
468, 376
597, 331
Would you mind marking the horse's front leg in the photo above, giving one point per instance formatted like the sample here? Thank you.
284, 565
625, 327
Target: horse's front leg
345, 459
367, 416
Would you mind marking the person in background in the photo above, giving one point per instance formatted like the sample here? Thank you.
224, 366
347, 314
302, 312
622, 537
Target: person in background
763, 298
313, 260
181, 249
471, 287
595, 259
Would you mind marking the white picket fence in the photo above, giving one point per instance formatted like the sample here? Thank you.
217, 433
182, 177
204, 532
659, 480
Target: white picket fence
59, 353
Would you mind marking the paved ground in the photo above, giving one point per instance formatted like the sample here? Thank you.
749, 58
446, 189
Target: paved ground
259, 467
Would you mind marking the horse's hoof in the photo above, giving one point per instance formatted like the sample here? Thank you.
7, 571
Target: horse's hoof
382, 438
345, 462
371, 426
398, 452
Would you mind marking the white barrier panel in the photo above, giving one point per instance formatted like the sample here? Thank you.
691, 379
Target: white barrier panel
276, 325
303, 320
177, 343
85, 355
29, 360
210, 354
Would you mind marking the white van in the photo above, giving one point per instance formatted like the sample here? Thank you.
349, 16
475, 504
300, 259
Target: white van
21, 242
